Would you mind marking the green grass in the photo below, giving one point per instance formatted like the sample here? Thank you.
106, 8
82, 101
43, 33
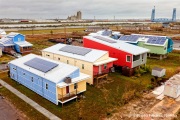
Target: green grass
22, 106
103, 101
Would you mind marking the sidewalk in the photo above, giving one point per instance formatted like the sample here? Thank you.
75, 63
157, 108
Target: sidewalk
29, 101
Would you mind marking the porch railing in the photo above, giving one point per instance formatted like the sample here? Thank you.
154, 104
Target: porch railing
96, 74
67, 96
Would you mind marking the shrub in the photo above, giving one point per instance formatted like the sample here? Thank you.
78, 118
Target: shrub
150, 87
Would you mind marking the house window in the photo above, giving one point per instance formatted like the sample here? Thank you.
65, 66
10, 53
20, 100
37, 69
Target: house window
32, 79
19, 39
46, 86
47, 55
67, 61
12, 75
82, 66
59, 58
164, 48
128, 58
75, 85
136, 57
105, 66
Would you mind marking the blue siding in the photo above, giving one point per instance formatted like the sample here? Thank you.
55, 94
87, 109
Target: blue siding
170, 45
35, 83
17, 48
19, 38
72, 75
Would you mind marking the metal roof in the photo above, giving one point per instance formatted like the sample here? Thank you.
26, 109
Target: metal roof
75, 50
2, 32
158, 69
23, 44
6, 41
148, 39
132, 49
60, 72
12, 34
91, 56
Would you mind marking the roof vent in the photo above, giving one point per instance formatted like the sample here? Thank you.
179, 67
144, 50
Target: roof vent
67, 80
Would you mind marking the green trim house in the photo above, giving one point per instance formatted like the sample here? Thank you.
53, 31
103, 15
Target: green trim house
159, 46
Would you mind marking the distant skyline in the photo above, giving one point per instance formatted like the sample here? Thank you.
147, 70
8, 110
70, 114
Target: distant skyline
101, 9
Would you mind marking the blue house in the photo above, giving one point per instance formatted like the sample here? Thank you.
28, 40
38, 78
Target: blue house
15, 42
55, 81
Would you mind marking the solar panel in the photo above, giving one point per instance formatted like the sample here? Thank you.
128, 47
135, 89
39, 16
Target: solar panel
41, 65
75, 50
156, 40
105, 39
130, 38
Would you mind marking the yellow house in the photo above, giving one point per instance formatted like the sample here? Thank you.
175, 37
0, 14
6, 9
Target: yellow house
90, 61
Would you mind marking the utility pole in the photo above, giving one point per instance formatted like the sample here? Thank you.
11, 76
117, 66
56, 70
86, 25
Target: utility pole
65, 33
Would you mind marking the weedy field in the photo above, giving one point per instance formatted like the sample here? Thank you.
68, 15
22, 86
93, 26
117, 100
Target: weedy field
100, 101
103, 100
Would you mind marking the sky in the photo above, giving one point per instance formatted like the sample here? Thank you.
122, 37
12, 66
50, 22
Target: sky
101, 9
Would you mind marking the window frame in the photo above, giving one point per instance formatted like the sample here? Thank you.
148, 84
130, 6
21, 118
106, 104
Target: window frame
46, 86
82, 66
127, 58
75, 86
105, 66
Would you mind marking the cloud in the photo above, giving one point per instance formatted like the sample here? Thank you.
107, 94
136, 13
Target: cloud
90, 8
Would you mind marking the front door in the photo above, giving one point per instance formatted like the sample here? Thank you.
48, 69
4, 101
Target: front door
67, 89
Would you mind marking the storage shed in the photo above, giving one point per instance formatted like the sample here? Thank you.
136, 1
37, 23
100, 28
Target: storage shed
158, 72
172, 86
93, 62
128, 55
55, 81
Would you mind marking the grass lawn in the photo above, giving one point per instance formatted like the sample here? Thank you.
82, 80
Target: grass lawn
6, 58
102, 101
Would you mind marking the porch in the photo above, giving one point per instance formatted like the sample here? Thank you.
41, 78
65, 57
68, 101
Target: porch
63, 98
25, 50
100, 76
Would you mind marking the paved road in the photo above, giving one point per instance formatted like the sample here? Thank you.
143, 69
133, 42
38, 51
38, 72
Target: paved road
29, 101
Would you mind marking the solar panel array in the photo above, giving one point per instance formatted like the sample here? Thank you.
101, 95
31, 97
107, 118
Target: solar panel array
75, 50
159, 40
105, 39
130, 38
41, 65
156, 40
106, 33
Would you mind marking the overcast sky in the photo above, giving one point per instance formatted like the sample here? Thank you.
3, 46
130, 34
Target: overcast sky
101, 9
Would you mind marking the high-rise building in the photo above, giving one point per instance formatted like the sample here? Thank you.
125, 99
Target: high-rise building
75, 17
79, 15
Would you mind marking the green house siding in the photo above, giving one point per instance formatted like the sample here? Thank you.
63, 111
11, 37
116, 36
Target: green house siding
154, 49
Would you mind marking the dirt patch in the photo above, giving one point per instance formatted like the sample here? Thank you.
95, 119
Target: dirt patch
135, 109
9, 112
